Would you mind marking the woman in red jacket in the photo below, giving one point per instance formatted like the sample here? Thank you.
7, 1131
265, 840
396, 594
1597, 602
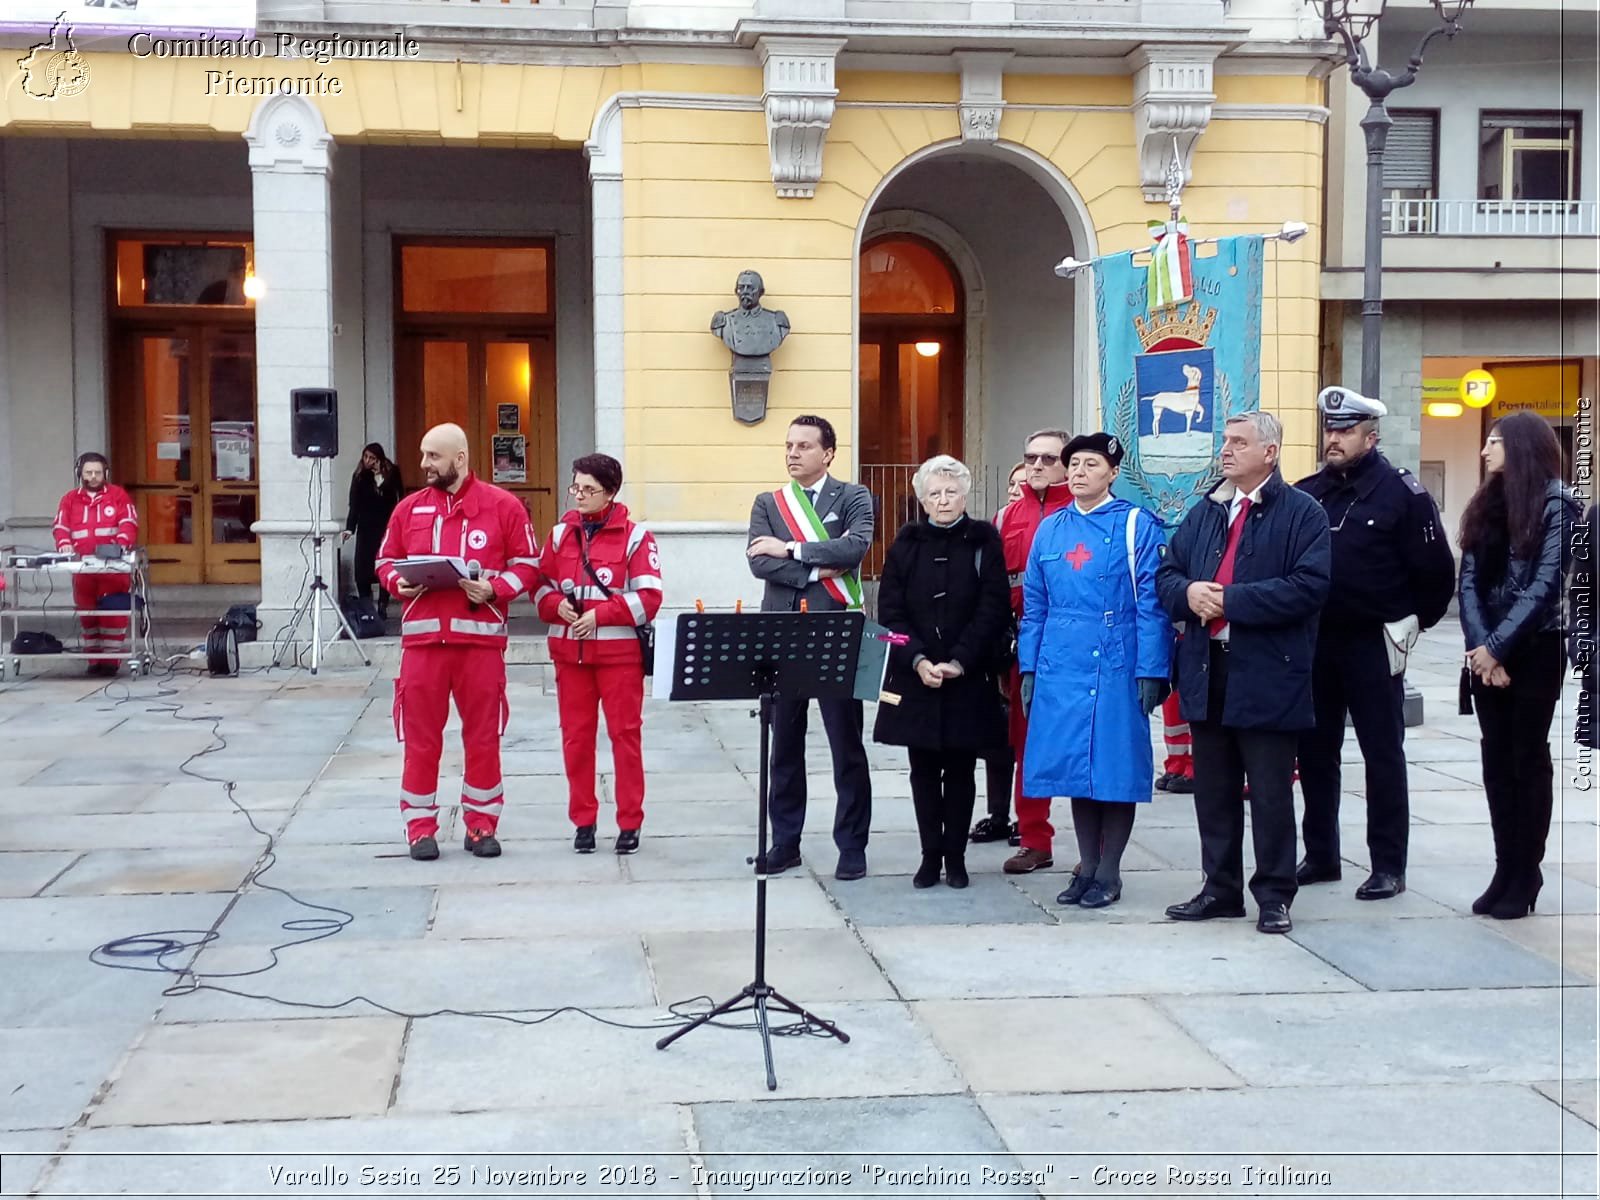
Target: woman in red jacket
602, 583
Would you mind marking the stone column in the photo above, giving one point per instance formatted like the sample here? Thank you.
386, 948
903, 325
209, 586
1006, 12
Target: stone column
604, 151
290, 160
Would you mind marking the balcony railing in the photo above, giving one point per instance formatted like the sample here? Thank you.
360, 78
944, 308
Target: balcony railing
1490, 218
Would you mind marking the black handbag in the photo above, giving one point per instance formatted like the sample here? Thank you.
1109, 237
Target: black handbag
645, 633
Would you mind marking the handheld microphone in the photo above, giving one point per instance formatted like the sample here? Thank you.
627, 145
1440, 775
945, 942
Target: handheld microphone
474, 572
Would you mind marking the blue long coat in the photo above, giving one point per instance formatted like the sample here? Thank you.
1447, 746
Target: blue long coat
1089, 635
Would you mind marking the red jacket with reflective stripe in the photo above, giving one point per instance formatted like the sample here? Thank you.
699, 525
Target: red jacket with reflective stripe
625, 558
1018, 522
480, 523
84, 521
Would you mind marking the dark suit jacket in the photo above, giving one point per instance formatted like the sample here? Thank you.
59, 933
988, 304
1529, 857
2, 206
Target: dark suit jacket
845, 510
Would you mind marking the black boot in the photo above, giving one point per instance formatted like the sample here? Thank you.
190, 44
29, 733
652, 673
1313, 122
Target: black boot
1496, 889
1520, 896
955, 870
928, 873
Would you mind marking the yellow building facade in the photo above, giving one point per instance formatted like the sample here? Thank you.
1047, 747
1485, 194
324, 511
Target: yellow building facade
786, 152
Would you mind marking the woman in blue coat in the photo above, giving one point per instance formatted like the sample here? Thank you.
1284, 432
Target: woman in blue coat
1095, 650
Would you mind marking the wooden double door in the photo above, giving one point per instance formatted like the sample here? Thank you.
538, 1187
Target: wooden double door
498, 383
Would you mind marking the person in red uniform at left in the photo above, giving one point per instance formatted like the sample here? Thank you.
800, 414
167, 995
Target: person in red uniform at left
97, 513
1046, 493
453, 640
602, 581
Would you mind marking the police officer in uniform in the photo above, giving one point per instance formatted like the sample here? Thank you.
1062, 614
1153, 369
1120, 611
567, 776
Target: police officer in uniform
1391, 561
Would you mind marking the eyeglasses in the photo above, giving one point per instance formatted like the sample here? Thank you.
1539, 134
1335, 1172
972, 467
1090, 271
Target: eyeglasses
583, 493
1494, 439
1043, 460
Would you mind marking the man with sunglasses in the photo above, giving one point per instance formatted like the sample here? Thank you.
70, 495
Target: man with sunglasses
1392, 566
1046, 493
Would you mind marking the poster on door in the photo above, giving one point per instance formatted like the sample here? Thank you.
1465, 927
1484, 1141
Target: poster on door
510, 458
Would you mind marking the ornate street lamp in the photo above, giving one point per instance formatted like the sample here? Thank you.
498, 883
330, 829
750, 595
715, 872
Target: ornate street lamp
1351, 21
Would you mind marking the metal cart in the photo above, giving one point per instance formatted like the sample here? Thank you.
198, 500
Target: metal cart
33, 599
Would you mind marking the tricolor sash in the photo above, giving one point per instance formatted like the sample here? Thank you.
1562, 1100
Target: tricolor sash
805, 526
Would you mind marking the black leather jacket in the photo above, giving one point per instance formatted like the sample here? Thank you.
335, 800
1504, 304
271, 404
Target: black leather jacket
1528, 599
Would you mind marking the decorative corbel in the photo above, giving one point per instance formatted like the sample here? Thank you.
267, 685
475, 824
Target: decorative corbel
982, 87
1172, 99
798, 96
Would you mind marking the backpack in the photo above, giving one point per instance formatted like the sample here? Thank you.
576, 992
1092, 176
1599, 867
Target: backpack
241, 618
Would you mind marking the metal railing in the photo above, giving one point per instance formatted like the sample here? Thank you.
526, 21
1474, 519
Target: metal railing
895, 502
1490, 218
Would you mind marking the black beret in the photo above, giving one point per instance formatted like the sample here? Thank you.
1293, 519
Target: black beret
1103, 444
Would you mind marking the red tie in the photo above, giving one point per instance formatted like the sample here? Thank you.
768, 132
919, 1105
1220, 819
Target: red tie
1229, 553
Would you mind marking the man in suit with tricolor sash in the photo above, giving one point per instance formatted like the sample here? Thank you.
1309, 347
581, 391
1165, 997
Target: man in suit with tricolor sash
807, 540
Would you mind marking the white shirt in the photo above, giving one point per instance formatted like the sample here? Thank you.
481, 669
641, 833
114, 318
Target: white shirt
1234, 506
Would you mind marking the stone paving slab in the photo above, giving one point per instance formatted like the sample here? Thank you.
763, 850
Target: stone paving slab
710, 906
48, 1074
1398, 1037
1391, 1141
891, 900
1036, 960
421, 976
390, 865
454, 1064
1567, 940
132, 872
1418, 955
23, 1158
275, 1070
1581, 1097
80, 923
193, 795
24, 873
231, 1159
1084, 1044
845, 1135
29, 800
147, 831
810, 966
382, 914
62, 987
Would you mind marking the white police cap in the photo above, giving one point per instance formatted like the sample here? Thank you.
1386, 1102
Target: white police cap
1341, 407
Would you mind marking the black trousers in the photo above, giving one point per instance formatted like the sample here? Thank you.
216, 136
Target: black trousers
999, 768
364, 563
1351, 675
1224, 757
943, 792
786, 806
1518, 776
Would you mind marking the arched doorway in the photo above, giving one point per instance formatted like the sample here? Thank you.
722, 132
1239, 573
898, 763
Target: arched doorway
912, 362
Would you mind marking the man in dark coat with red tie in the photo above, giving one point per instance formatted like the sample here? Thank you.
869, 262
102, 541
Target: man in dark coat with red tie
1247, 575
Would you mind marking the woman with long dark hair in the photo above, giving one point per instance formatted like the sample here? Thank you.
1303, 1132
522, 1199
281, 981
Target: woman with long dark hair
1515, 550
375, 489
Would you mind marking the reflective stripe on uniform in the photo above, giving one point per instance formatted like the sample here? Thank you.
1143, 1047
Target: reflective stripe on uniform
468, 792
106, 531
482, 628
428, 803
602, 633
635, 606
544, 590
645, 581
429, 625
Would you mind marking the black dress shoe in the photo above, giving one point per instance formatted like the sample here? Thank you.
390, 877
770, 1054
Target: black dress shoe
1309, 872
481, 845
1380, 885
1205, 907
1274, 918
1162, 780
990, 829
1075, 890
627, 841
583, 840
425, 849
1181, 785
852, 865
781, 858
1014, 838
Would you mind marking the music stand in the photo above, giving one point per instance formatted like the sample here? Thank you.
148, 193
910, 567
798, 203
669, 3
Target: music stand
737, 656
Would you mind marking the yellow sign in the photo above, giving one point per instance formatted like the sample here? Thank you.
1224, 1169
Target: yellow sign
1442, 389
1477, 388
1548, 387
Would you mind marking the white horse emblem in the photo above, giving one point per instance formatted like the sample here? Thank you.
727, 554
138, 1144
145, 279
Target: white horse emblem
1185, 403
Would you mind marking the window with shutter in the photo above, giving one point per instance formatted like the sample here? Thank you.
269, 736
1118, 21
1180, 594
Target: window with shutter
1410, 171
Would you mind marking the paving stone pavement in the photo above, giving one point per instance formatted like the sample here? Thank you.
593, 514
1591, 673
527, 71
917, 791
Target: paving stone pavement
1000, 1044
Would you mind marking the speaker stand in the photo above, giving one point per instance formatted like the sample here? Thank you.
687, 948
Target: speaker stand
317, 597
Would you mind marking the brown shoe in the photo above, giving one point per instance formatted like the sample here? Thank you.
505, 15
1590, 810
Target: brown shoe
1025, 860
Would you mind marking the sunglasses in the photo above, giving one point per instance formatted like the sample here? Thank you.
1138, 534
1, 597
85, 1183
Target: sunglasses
1043, 460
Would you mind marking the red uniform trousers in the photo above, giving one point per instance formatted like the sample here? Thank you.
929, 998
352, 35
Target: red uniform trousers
1033, 812
430, 676
581, 690
1175, 732
107, 631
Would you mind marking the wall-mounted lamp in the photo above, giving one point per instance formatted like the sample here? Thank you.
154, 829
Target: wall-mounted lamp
928, 349
1443, 408
254, 289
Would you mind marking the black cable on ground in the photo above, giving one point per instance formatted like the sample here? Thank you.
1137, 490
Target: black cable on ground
152, 951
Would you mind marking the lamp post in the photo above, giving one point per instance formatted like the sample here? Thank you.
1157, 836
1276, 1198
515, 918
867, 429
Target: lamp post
1351, 21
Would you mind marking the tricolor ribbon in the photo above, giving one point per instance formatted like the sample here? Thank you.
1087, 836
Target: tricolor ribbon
1170, 276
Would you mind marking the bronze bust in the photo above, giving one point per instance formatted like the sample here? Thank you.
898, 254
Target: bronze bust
752, 333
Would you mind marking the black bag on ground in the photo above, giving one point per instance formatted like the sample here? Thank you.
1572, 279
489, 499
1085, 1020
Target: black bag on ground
241, 618
33, 642
362, 614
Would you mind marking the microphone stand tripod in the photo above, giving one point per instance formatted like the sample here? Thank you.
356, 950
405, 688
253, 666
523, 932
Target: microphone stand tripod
316, 596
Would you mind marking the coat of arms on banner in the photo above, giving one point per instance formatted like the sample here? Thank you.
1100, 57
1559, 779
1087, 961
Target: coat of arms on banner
1172, 376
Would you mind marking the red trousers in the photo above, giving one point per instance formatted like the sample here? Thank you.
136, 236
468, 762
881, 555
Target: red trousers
1175, 731
107, 631
1033, 812
582, 689
430, 677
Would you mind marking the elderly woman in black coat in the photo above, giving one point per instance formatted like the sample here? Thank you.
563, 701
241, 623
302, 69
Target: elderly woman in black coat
944, 589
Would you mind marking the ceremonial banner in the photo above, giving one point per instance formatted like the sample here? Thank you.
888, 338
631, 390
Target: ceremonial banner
1171, 378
